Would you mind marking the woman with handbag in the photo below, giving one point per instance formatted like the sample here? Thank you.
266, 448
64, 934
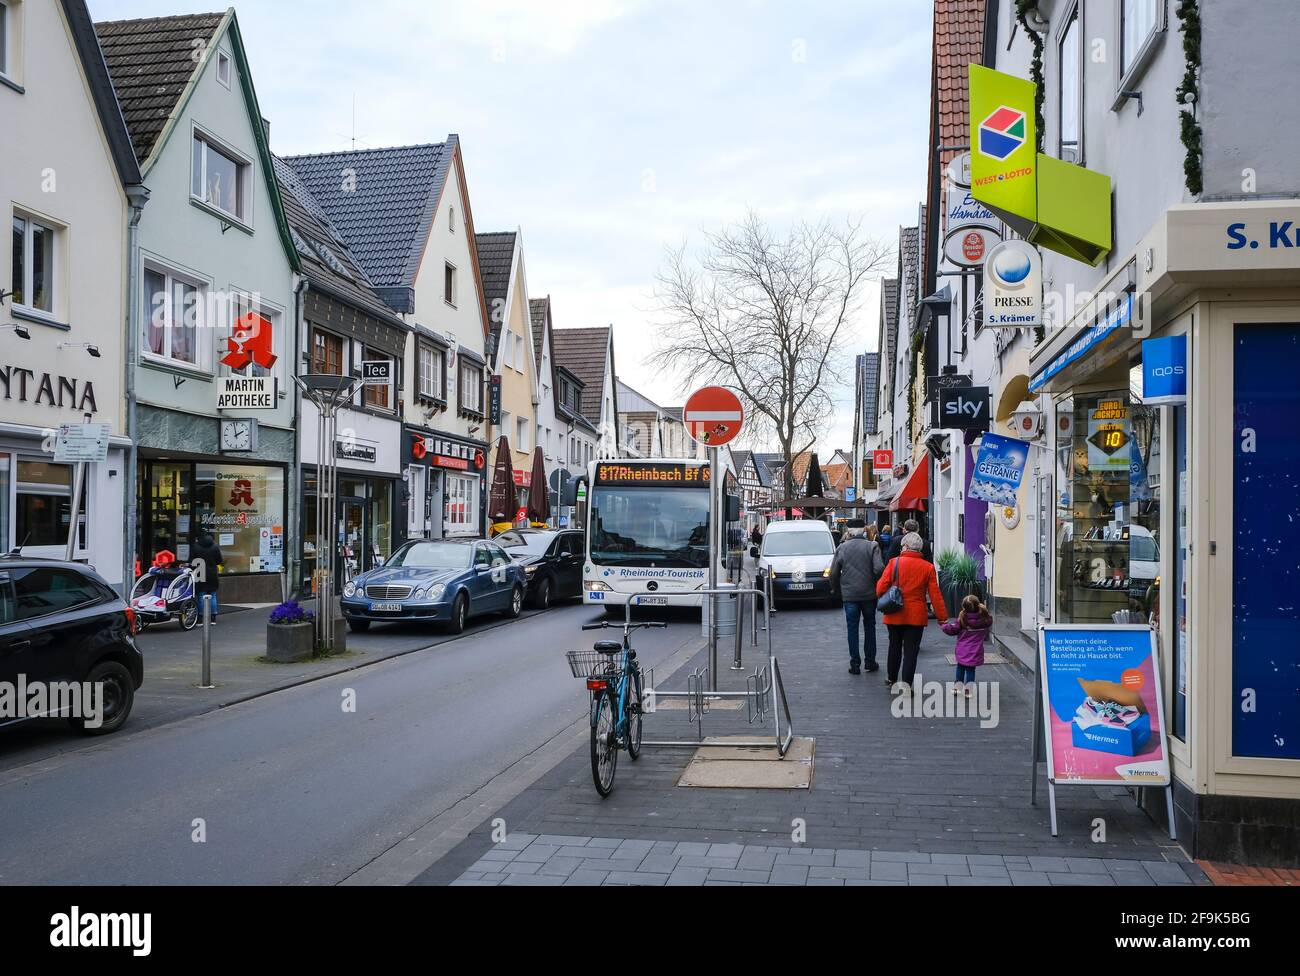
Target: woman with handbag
901, 590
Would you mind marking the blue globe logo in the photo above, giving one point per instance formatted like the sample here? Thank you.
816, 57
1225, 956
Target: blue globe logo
1011, 266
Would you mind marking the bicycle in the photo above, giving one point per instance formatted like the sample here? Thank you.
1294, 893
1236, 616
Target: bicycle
614, 679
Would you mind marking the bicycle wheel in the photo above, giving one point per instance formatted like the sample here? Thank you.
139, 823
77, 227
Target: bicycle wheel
604, 753
633, 709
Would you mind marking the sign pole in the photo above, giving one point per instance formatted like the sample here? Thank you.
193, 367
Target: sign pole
715, 553
78, 485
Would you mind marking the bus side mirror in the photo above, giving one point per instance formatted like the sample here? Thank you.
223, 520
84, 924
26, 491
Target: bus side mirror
733, 508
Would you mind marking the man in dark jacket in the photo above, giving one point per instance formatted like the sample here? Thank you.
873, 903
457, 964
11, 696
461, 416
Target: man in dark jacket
896, 546
207, 582
854, 571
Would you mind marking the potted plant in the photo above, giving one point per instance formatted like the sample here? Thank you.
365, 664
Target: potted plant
289, 633
962, 577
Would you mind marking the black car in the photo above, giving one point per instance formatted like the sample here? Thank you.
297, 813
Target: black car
61, 622
551, 558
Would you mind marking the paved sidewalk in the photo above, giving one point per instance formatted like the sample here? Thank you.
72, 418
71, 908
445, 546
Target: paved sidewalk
951, 793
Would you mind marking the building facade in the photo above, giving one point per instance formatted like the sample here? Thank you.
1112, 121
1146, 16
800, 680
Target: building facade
212, 249
72, 189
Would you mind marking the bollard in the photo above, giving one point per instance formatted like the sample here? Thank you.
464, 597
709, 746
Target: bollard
753, 617
740, 632
206, 681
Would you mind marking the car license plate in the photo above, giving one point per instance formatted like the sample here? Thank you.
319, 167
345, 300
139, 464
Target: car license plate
652, 601
385, 608
798, 586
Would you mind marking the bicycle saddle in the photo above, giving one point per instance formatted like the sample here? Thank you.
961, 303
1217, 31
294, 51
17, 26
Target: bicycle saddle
608, 646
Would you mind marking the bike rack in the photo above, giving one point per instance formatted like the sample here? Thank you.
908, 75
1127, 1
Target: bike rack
764, 690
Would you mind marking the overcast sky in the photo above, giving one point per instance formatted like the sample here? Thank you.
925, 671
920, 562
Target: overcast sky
606, 130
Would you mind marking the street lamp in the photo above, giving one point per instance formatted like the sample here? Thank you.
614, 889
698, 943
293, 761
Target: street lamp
89, 347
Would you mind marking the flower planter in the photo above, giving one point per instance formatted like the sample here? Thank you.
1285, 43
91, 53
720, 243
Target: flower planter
286, 643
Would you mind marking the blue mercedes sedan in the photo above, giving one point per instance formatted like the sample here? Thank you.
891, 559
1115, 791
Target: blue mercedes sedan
443, 580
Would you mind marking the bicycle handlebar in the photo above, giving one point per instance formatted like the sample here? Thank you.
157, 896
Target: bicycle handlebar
605, 624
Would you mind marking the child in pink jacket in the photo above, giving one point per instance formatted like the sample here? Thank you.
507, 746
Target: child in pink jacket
971, 628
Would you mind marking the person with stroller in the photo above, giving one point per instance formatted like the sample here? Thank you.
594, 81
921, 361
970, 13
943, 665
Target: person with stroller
208, 580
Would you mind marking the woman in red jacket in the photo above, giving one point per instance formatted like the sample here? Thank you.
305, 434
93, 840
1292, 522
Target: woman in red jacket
916, 577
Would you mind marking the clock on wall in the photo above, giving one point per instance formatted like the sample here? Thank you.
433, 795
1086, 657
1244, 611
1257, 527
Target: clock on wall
239, 435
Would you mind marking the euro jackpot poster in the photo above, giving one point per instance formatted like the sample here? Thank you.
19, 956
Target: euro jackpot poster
1103, 710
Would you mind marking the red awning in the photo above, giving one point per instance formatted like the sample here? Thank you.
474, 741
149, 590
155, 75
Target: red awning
915, 492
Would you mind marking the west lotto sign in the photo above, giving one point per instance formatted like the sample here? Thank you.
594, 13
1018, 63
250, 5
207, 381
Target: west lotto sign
713, 416
246, 393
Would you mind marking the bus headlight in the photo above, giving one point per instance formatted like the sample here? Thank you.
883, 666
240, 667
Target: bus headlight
598, 585
349, 588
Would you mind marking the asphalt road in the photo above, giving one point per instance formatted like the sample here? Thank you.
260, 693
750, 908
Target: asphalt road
291, 788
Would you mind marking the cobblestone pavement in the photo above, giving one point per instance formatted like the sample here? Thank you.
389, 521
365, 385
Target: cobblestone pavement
894, 799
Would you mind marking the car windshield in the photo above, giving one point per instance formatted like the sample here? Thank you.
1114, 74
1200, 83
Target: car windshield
432, 555
524, 542
650, 527
798, 544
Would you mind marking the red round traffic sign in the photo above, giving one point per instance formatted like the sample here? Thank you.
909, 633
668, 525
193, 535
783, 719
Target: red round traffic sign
713, 416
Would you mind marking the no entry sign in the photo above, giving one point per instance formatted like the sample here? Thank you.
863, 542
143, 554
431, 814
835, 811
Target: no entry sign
713, 416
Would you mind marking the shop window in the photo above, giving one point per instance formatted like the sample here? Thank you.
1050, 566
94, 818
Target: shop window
43, 506
174, 310
460, 505
326, 353
242, 507
34, 282
168, 526
1108, 510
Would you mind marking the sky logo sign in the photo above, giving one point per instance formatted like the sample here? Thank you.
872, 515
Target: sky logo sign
1002, 133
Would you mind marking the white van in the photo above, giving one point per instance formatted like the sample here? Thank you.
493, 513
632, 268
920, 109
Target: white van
797, 555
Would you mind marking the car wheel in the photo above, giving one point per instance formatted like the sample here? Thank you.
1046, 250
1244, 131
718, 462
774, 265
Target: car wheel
116, 699
516, 602
459, 614
542, 598
358, 626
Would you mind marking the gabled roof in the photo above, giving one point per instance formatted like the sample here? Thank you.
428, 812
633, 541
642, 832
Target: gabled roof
382, 202
325, 259
870, 392
538, 311
152, 61
154, 72
496, 260
584, 353
101, 90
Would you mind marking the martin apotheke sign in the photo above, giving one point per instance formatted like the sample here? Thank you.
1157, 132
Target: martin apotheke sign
246, 393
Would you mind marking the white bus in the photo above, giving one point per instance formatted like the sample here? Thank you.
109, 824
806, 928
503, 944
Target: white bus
648, 533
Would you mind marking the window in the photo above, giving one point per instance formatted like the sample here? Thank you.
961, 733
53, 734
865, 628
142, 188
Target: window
521, 434
43, 509
1140, 21
451, 220
4, 38
432, 373
219, 180
174, 317
377, 396
460, 504
471, 388
1070, 143
47, 590
33, 281
223, 68
326, 353
243, 507
449, 285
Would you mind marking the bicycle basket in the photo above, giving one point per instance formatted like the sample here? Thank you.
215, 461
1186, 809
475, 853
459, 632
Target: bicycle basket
585, 664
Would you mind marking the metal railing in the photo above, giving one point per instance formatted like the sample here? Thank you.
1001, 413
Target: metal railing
764, 689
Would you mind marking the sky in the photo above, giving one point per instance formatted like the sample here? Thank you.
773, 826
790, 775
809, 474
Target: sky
609, 130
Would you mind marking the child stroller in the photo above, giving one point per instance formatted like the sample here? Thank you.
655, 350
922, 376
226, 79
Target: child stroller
164, 593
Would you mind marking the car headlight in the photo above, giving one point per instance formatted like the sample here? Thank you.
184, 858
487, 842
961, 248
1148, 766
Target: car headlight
419, 594
349, 588
530, 570
436, 591
826, 573
597, 585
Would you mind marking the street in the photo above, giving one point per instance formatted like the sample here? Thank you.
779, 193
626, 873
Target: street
293, 789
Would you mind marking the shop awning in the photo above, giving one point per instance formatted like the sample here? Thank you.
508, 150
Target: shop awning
915, 493
886, 494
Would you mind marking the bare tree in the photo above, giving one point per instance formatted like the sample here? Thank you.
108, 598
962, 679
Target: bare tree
766, 315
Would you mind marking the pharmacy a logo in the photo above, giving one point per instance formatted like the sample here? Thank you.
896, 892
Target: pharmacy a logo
1002, 133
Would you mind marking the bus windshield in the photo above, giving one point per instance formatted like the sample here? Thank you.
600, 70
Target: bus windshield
650, 526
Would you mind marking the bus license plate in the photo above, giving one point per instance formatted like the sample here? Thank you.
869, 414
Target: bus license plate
652, 601
385, 608
798, 586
